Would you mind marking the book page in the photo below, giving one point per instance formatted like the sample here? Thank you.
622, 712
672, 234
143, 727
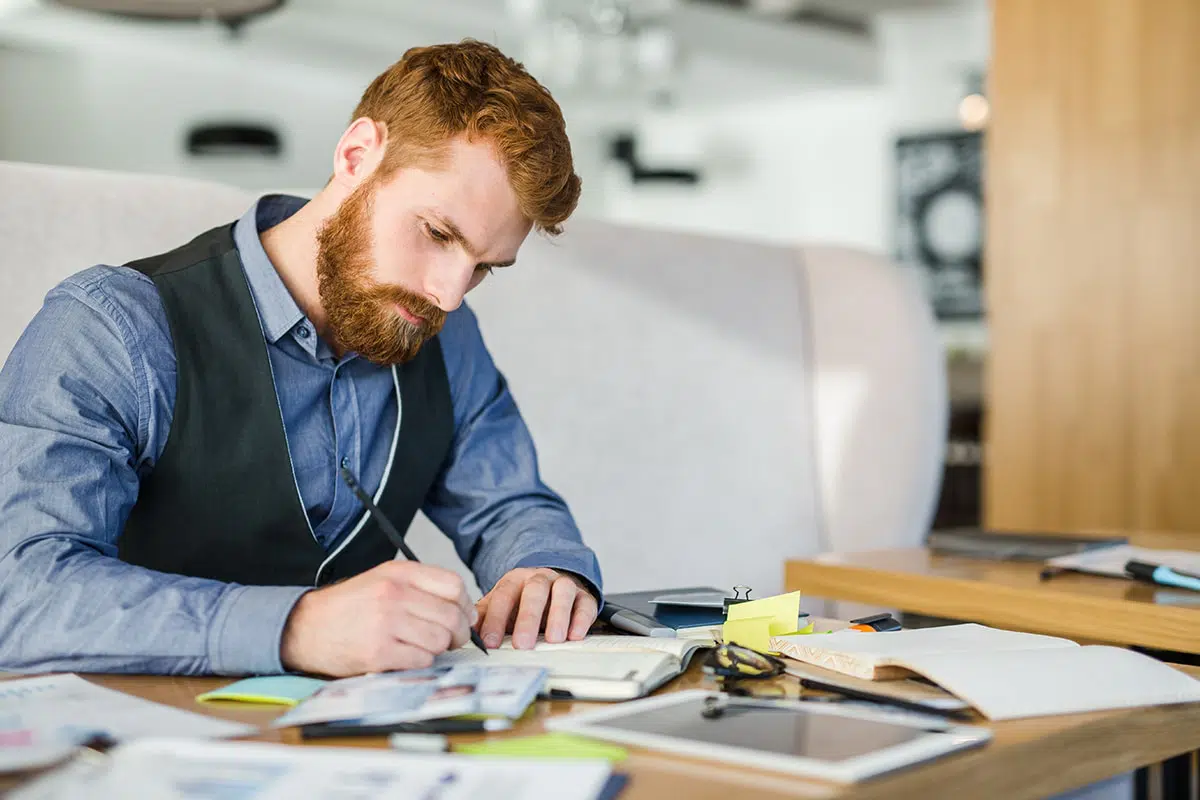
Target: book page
676, 647
862, 654
1031, 683
629, 665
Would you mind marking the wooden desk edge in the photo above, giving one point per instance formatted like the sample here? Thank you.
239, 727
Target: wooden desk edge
1074, 616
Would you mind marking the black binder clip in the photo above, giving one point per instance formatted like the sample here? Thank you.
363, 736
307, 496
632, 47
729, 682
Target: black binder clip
737, 597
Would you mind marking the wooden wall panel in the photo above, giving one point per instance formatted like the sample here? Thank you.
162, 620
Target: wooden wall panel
1093, 266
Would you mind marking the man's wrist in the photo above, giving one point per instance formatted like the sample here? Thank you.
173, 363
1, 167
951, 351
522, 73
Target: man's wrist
291, 640
567, 566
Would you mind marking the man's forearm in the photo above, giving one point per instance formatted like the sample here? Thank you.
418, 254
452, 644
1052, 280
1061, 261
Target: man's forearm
64, 606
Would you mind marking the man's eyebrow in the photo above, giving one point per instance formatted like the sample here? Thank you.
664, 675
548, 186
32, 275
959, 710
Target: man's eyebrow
456, 234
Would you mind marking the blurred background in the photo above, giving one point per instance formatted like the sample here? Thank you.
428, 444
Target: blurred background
852, 122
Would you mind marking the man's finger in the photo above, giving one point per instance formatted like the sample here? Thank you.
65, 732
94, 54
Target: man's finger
501, 602
439, 582
562, 600
534, 596
585, 614
430, 636
442, 614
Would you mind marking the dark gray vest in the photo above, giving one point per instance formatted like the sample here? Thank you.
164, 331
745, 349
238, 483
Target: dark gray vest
222, 500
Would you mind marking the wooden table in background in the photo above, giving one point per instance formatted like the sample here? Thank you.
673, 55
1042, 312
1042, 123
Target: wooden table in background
1030, 758
1006, 594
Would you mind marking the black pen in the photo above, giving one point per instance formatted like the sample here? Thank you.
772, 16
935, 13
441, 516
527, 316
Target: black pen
394, 535
887, 700
325, 730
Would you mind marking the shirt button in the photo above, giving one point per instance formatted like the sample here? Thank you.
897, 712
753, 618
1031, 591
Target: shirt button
303, 332
345, 462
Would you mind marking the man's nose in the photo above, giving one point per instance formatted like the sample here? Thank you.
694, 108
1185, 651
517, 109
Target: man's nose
446, 283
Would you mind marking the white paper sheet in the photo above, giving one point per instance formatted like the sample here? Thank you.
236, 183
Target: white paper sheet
891, 646
1032, 683
186, 770
1111, 560
43, 719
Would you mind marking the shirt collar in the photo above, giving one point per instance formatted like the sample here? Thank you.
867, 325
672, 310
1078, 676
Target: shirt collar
277, 309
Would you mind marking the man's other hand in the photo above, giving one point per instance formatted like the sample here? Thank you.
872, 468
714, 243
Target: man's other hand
398, 615
526, 598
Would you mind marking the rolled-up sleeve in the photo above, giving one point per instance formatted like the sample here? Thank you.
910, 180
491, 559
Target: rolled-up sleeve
75, 417
490, 498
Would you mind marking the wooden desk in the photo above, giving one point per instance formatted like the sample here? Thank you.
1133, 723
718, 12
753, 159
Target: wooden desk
1006, 594
1030, 758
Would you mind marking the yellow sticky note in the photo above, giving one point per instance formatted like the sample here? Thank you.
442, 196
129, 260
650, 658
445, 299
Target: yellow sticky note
546, 745
783, 610
754, 633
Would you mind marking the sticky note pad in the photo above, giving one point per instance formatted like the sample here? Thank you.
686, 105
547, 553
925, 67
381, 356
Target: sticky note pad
783, 610
284, 690
754, 633
546, 745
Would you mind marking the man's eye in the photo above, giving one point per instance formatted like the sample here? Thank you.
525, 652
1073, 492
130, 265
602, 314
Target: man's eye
436, 235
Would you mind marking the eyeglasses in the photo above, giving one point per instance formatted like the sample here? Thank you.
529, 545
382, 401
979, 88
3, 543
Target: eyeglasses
736, 661
735, 667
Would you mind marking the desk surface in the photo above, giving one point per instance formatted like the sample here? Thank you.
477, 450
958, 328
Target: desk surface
1027, 758
1006, 594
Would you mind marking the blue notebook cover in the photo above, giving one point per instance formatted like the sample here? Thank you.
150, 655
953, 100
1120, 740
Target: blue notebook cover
670, 616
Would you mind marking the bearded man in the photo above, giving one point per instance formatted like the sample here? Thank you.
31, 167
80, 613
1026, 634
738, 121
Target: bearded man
173, 431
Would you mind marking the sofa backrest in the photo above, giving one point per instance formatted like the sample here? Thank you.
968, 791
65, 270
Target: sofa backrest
707, 406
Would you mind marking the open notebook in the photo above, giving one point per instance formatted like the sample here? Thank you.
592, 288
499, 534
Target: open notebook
1003, 674
595, 668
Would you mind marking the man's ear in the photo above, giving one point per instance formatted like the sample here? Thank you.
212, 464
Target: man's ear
359, 152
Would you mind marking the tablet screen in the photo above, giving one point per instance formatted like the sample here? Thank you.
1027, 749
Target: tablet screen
787, 731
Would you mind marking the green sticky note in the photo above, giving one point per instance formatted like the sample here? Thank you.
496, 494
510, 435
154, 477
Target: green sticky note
283, 690
546, 745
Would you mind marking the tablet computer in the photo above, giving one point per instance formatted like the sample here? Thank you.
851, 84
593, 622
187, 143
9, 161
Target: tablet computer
824, 741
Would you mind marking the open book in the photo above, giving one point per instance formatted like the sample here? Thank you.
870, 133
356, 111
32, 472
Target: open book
595, 668
1003, 674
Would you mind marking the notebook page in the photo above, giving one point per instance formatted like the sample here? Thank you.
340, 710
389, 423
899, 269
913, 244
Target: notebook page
1033, 683
858, 653
637, 665
676, 647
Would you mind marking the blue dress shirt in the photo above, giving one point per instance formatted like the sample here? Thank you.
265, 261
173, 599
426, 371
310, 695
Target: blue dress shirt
86, 402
